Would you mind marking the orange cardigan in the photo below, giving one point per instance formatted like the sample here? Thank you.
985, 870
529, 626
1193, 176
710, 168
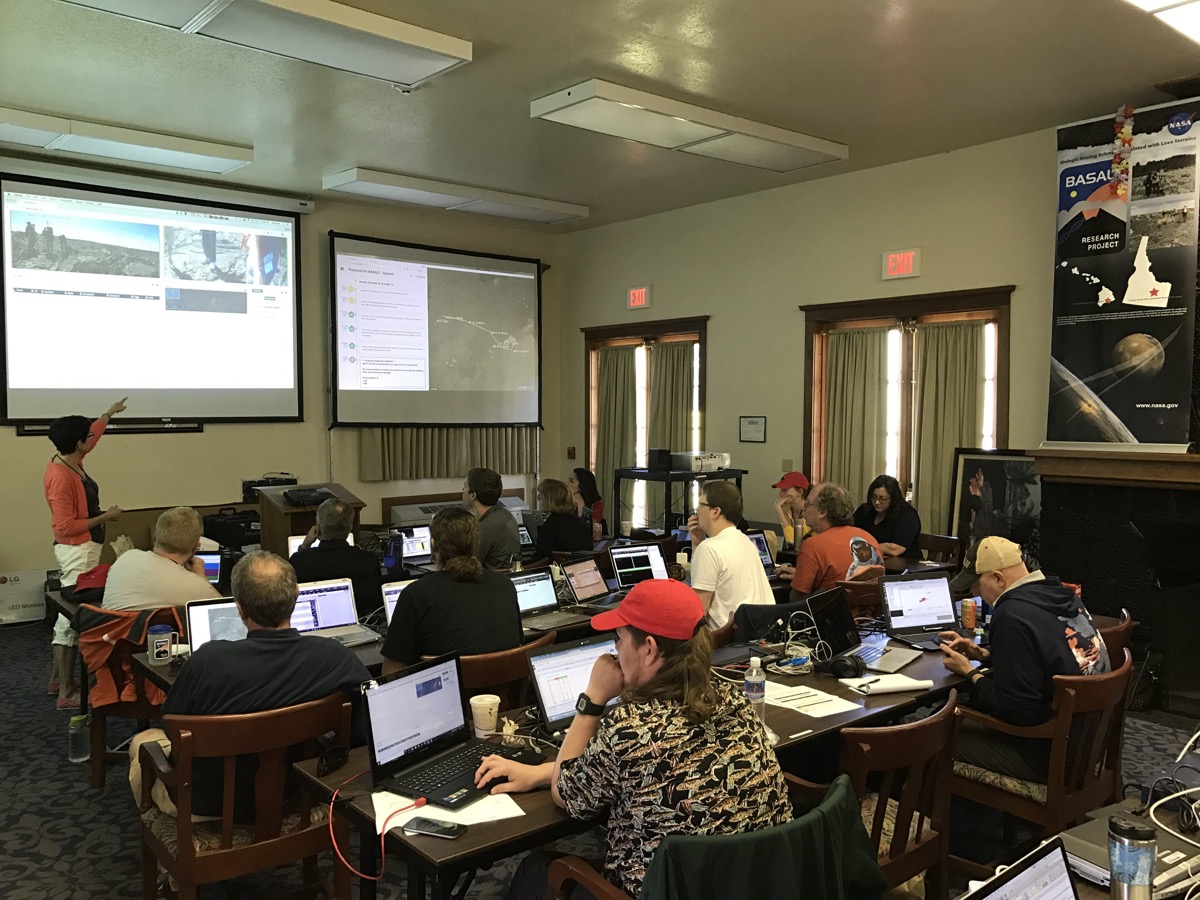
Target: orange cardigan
65, 494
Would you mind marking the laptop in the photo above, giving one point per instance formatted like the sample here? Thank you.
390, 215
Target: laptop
532, 520
1040, 875
420, 738
418, 546
588, 587
560, 674
295, 540
1087, 853
538, 602
212, 566
916, 607
391, 593
213, 620
632, 563
835, 626
759, 540
326, 609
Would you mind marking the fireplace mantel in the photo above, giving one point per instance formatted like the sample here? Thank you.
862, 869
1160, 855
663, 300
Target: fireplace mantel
1165, 471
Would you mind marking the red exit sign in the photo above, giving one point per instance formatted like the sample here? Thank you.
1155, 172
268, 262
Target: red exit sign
902, 263
638, 297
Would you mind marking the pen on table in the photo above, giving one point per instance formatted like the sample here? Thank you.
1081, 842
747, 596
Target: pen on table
799, 734
861, 688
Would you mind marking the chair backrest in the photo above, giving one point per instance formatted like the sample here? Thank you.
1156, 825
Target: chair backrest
504, 673
1089, 716
910, 764
1116, 637
862, 594
269, 735
938, 547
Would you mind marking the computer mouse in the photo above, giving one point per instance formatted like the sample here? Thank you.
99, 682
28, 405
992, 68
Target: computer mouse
487, 786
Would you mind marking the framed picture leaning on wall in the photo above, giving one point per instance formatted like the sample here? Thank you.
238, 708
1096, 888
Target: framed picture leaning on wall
995, 492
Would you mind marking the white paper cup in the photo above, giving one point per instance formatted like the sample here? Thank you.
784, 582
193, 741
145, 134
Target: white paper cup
485, 708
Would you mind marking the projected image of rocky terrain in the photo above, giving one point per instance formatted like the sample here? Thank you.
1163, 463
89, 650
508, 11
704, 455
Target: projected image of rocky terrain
58, 243
204, 254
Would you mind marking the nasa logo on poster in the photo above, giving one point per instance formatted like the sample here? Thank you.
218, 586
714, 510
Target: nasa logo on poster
1181, 123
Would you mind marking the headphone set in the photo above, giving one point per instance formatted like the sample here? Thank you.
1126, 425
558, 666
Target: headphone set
841, 667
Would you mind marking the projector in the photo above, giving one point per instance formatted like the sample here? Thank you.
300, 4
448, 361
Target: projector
699, 461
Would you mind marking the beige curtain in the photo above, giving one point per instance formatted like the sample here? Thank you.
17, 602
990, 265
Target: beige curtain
403, 454
948, 401
616, 432
671, 380
856, 408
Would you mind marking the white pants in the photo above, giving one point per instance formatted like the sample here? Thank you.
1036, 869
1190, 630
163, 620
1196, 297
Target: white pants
158, 793
73, 561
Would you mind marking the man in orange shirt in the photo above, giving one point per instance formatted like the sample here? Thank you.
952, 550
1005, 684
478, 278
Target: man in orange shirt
836, 550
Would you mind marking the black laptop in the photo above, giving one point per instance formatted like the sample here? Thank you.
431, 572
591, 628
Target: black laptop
420, 737
1040, 875
835, 626
917, 607
538, 602
560, 673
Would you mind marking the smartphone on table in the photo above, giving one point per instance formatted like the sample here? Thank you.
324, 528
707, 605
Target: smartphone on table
434, 828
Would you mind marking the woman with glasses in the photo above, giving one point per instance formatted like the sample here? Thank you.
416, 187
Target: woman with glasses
889, 518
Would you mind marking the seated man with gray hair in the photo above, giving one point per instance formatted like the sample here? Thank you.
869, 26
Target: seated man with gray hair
333, 557
168, 575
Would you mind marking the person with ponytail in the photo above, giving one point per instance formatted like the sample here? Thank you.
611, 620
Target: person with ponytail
461, 607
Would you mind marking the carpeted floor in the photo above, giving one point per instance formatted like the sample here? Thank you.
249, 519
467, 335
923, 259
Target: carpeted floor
62, 840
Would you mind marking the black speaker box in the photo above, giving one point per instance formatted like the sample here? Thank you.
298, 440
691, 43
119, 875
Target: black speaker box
658, 460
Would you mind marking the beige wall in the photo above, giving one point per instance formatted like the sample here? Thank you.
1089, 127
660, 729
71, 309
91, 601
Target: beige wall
152, 470
984, 216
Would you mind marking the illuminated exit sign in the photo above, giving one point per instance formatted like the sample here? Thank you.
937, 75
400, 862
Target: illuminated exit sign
638, 297
902, 263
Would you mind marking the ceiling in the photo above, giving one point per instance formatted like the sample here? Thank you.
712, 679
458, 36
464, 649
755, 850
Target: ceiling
894, 79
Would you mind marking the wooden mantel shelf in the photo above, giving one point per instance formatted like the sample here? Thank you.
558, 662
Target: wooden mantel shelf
1165, 471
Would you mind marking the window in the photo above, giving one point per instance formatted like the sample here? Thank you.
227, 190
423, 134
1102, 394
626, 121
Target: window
677, 344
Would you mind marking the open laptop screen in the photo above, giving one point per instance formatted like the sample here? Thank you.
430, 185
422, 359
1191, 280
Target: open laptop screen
1042, 874
212, 566
391, 593
560, 674
759, 540
637, 562
585, 580
835, 624
324, 604
918, 602
525, 537
414, 711
213, 620
418, 543
295, 540
535, 591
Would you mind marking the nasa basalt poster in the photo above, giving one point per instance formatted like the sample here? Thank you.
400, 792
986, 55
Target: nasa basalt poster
1125, 278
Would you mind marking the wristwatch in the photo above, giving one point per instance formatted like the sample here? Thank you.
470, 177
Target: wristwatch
585, 707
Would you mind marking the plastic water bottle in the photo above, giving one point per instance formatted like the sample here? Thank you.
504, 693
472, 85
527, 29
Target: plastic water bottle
755, 687
79, 746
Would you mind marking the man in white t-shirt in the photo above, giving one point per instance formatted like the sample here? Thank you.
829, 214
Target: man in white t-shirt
726, 568
168, 575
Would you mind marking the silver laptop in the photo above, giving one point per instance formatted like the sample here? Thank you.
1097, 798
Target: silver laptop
391, 593
759, 540
538, 602
588, 587
213, 620
1087, 852
1040, 875
418, 546
916, 607
560, 673
632, 563
326, 609
295, 540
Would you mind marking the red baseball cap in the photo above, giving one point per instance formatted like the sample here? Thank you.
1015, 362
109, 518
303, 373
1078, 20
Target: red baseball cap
796, 480
661, 607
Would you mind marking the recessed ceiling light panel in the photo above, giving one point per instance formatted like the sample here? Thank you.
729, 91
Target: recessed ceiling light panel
154, 149
173, 13
1184, 19
31, 129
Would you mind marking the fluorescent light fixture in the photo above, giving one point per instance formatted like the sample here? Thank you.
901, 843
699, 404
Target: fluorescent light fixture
1185, 19
31, 129
649, 119
1153, 5
317, 31
446, 195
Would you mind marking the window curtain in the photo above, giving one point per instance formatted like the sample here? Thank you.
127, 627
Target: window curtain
616, 432
948, 400
671, 382
856, 408
407, 453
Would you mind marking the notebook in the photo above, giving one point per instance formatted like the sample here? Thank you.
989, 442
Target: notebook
213, 620
632, 563
326, 609
560, 673
538, 602
418, 546
419, 734
588, 586
835, 626
295, 540
1040, 875
391, 593
917, 607
759, 540
212, 566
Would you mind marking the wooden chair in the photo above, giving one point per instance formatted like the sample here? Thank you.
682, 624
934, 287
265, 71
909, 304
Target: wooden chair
1116, 637
723, 635
205, 852
121, 662
504, 673
908, 816
938, 547
863, 597
1085, 755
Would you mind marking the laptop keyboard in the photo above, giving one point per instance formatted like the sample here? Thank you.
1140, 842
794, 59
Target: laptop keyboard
868, 653
455, 766
559, 619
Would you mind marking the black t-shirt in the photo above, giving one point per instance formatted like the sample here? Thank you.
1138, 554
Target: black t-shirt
337, 559
903, 529
439, 615
561, 531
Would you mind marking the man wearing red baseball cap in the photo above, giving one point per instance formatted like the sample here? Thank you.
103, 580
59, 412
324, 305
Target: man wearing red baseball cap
680, 735
793, 491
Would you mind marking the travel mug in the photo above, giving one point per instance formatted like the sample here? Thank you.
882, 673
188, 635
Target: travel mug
161, 644
1131, 849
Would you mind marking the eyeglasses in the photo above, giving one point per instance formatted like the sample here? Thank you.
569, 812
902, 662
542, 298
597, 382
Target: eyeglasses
702, 503
886, 498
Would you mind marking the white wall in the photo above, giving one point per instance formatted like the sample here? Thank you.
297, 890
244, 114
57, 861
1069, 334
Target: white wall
984, 216
164, 470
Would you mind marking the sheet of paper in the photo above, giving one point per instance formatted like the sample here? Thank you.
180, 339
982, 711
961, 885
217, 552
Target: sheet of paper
886, 684
489, 809
807, 701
